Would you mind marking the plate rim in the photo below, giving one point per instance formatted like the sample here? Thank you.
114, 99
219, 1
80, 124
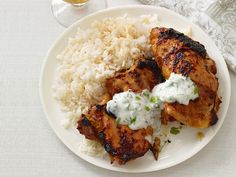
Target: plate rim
67, 30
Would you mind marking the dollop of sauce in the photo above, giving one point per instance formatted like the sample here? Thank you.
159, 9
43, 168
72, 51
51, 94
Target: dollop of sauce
176, 89
137, 110
140, 110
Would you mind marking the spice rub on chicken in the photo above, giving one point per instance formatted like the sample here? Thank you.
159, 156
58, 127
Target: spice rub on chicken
144, 75
121, 143
175, 52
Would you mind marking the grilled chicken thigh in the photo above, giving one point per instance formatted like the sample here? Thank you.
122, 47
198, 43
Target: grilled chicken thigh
122, 143
144, 75
175, 52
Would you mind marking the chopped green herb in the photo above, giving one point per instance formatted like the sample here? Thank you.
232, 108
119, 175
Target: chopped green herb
128, 107
137, 98
118, 120
195, 91
147, 108
174, 130
146, 93
152, 99
133, 119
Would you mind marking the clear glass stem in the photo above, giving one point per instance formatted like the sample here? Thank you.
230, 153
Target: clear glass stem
66, 13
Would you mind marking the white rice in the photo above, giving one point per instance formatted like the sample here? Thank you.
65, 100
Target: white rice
92, 148
93, 55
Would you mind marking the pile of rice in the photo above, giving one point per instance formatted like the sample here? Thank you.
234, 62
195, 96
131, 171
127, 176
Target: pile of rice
95, 54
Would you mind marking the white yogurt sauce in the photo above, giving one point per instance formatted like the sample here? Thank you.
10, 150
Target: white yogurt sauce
176, 89
140, 110
135, 110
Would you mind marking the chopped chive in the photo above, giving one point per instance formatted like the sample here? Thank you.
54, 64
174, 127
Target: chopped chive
137, 98
145, 93
152, 99
174, 130
118, 120
147, 108
133, 119
128, 107
195, 91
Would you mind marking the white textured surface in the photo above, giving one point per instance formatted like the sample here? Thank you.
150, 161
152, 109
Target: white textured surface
28, 146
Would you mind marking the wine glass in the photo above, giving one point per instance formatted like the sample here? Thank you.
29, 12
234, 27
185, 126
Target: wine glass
67, 12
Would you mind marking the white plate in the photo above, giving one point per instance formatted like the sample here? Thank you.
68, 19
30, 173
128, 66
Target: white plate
185, 144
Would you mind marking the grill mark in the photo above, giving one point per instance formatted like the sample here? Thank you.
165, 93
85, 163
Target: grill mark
153, 68
141, 64
177, 58
107, 145
128, 156
124, 152
110, 113
214, 119
101, 136
172, 51
151, 64
186, 68
109, 149
85, 121
85, 127
99, 107
194, 45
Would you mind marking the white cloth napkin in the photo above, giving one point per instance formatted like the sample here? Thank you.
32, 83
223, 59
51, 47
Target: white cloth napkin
215, 17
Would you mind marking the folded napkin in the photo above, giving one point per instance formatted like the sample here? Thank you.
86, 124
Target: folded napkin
215, 17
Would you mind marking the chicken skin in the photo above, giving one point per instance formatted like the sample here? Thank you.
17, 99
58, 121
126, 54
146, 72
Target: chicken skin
121, 143
175, 52
144, 75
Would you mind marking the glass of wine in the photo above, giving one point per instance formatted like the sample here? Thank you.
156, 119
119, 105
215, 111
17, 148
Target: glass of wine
67, 12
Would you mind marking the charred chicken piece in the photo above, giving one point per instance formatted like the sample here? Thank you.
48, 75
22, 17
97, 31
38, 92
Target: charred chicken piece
121, 143
85, 128
144, 75
156, 147
175, 52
